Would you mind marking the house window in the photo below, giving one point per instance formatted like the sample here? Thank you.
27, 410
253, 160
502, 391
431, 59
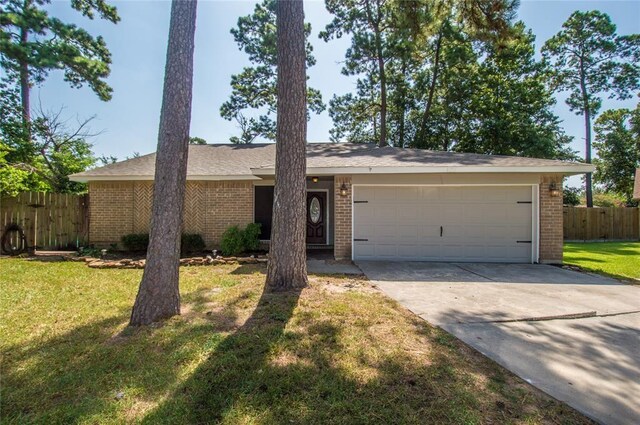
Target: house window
263, 208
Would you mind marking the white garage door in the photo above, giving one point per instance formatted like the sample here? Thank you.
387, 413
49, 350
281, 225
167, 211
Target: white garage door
431, 223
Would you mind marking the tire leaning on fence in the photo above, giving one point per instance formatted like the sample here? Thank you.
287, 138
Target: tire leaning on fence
14, 241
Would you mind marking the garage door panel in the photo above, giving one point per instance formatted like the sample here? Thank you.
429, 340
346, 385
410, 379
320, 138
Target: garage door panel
408, 233
430, 214
411, 194
385, 251
364, 213
410, 214
384, 212
384, 231
428, 231
382, 194
452, 194
478, 223
363, 251
365, 193
410, 250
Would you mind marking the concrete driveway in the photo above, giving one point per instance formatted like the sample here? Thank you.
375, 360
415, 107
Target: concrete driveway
575, 336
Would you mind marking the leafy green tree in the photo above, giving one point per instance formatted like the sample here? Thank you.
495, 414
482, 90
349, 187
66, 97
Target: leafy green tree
443, 118
61, 150
388, 41
571, 196
355, 115
197, 141
367, 21
19, 166
589, 60
604, 199
617, 144
55, 149
252, 103
447, 91
510, 107
32, 44
106, 160
13, 180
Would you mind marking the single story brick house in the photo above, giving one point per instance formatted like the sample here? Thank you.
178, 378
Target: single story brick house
364, 202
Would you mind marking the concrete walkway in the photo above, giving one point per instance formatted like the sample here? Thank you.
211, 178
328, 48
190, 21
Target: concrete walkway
332, 267
575, 336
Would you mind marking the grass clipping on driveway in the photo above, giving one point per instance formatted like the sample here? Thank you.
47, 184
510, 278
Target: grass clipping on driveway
337, 352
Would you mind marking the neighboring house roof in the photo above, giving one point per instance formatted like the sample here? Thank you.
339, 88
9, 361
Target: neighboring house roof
636, 186
250, 162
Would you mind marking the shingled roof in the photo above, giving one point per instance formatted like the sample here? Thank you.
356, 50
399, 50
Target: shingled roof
253, 161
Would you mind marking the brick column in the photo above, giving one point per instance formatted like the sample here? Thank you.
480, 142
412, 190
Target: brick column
551, 221
342, 219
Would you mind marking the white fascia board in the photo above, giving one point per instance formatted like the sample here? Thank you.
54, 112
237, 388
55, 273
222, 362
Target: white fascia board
560, 169
85, 179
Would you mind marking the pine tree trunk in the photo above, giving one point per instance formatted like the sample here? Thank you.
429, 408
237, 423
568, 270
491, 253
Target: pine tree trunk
587, 141
25, 89
587, 133
159, 297
382, 142
383, 103
287, 268
421, 133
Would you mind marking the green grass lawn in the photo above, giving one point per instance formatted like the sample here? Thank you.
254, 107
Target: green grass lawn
337, 352
617, 259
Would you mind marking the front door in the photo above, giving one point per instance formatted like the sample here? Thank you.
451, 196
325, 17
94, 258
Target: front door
316, 217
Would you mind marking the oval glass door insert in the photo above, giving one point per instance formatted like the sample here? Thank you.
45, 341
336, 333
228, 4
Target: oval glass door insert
315, 212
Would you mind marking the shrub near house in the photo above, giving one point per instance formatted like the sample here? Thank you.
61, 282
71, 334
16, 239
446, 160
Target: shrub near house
236, 241
139, 242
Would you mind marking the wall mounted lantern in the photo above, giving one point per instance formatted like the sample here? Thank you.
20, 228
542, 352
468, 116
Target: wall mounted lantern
343, 190
554, 190
315, 179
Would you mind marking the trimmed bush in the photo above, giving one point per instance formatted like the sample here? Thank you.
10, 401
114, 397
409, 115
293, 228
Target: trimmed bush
191, 242
136, 242
139, 242
236, 241
251, 237
232, 242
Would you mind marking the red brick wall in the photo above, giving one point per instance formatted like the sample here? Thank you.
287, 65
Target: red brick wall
342, 231
551, 218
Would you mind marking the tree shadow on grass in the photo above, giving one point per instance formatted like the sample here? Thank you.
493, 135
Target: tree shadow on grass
249, 269
96, 370
79, 373
281, 367
292, 358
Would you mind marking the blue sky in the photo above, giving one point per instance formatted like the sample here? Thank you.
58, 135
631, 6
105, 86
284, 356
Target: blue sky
138, 45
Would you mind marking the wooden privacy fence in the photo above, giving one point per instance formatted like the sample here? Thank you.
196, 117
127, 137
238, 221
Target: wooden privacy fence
50, 221
588, 224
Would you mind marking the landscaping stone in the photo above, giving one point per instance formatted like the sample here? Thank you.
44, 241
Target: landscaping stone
129, 263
